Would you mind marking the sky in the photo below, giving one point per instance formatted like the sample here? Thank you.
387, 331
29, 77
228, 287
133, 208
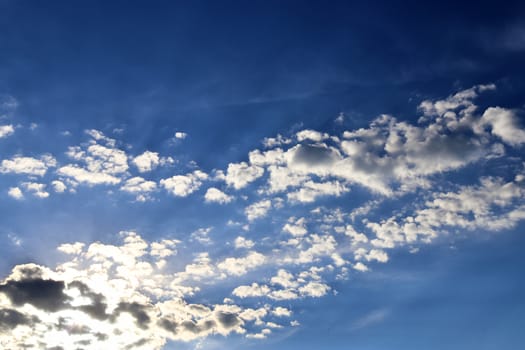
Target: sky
263, 174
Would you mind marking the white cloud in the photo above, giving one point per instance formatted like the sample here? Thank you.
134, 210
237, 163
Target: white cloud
241, 242
100, 164
310, 191
27, 165
6, 130
279, 140
147, 161
180, 135
85, 176
280, 311
36, 189
295, 227
258, 210
140, 187
241, 174
312, 135
240, 266
314, 289
184, 185
15, 193
254, 290
504, 124
58, 186
214, 195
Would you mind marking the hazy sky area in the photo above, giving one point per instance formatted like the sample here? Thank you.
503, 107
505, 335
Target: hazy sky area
202, 175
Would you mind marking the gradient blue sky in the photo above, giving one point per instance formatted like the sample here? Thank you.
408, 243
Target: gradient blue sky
393, 198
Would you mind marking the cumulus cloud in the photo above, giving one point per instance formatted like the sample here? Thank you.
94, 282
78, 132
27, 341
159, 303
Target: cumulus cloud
147, 161
214, 195
15, 192
140, 187
6, 130
241, 174
36, 189
258, 209
184, 185
99, 162
27, 165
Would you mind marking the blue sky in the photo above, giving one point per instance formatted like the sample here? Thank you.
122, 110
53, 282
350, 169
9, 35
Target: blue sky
264, 174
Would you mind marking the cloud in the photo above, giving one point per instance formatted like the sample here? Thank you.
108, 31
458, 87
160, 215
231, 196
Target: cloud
111, 295
147, 161
180, 135
184, 185
504, 124
240, 266
258, 209
82, 175
214, 195
36, 189
254, 290
58, 186
291, 243
15, 192
101, 163
241, 242
6, 130
27, 165
140, 187
241, 174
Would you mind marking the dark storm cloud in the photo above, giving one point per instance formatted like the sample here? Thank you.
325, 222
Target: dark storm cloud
227, 320
10, 318
98, 307
314, 155
44, 294
138, 311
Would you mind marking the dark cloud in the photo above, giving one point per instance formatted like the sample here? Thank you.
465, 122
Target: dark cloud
170, 326
136, 310
227, 319
44, 294
98, 307
314, 155
10, 318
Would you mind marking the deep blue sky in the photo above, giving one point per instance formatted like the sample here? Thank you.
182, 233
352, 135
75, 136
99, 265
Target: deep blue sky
229, 74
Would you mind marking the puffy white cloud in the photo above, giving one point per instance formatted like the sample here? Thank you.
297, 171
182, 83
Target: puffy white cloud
36, 189
279, 140
242, 242
15, 192
140, 187
314, 289
280, 311
180, 135
58, 186
27, 165
146, 161
85, 176
100, 164
295, 227
241, 174
310, 191
258, 210
312, 135
254, 290
504, 124
214, 195
240, 266
6, 130
184, 185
